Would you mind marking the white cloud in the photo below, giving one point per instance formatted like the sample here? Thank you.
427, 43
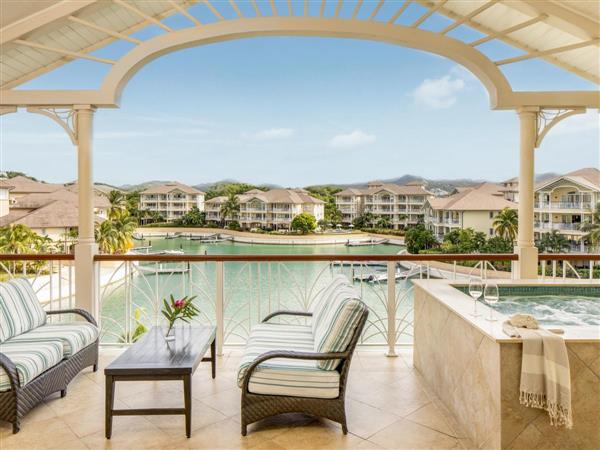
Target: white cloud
578, 124
438, 93
271, 134
356, 138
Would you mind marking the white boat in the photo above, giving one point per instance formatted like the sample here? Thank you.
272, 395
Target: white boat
379, 277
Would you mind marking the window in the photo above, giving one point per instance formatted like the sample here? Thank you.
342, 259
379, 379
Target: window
491, 231
491, 214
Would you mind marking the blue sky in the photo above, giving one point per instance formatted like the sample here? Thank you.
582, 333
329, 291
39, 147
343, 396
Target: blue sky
299, 111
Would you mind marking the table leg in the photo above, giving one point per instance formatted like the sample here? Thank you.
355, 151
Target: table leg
213, 358
187, 398
109, 405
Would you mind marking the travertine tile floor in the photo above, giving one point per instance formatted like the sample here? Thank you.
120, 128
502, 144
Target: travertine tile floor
388, 406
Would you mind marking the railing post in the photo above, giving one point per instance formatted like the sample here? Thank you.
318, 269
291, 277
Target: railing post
219, 307
391, 308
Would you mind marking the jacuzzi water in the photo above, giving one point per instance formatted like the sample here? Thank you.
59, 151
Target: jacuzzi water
556, 310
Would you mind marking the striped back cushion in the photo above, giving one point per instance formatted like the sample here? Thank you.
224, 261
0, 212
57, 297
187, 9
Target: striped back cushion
336, 328
20, 310
325, 297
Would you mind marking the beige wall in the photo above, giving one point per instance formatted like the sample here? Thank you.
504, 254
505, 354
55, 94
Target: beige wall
478, 220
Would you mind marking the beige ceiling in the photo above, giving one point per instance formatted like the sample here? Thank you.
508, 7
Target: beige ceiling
38, 36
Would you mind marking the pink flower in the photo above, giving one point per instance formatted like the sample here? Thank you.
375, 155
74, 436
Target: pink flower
179, 303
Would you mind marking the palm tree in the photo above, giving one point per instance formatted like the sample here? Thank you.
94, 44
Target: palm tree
506, 224
229, 208
106, 236
593, 228
17, 238
118, 204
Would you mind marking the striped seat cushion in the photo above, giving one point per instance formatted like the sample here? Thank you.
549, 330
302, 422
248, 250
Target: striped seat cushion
74, 335
20, 310
289, 377
337, 324
30, 358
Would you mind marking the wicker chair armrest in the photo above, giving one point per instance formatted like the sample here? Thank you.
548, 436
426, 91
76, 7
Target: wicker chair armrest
287, 313
11, 370
81, 312
286, 354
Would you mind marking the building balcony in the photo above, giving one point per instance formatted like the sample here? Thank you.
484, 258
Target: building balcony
563, 205
558, 226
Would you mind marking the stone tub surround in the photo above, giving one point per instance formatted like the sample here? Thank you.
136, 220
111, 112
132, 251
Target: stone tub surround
474, 368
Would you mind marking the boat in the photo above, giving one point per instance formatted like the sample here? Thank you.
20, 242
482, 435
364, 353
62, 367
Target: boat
137, 236
173, 252
366, 243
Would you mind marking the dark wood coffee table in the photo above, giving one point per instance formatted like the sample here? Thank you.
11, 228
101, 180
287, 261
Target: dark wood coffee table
152, 358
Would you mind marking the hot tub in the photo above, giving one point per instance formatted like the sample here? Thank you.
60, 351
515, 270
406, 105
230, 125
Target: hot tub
474, 368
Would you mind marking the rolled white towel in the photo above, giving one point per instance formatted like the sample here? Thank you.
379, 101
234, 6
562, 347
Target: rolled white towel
524, 321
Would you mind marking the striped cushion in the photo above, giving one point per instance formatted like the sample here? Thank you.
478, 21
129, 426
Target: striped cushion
325, 296
337, 325
20, 310
30, 358
290, 377
74, 335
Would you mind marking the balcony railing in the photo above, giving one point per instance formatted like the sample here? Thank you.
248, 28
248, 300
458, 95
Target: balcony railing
236, 291
563, 205
558, 226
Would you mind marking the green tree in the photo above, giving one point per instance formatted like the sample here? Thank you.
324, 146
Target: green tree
193, 218
365, 220
498, 244
419, 238
304, 223
593, 228
553, 242
234, 225
17, 238
116, 235
506, 224
464, 241
230, 208
323, 224
227, 188
383, 222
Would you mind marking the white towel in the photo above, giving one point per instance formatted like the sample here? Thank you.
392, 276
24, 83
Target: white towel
545, 375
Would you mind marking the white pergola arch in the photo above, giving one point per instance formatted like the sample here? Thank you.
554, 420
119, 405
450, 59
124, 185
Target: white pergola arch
39, 40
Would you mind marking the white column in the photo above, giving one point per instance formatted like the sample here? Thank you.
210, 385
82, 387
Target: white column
86, 247
526, 267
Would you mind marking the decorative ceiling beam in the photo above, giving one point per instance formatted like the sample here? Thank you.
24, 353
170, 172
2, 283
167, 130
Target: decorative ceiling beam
274, 8
469, 16
236, 8
357, 8
61, 51
561, 16
548, 52
338, 8
256, 9
32, 22
142, 14
305, 8
322, 11
214, 10
504, 33
398, 13
429, 13
108, 31
290, 9
185, 13
376, 10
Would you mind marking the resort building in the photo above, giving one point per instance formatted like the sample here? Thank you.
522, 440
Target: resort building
566, 203
171, 200
474, 207
401, 204
21, 186
274, 209
53, 214
510, 189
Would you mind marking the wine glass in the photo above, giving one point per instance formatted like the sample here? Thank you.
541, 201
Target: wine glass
475, 291
491, 295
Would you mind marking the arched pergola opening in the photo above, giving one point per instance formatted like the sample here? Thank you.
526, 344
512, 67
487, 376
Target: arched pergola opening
74, 110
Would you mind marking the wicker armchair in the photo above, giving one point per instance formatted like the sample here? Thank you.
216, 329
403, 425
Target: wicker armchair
19, 400
255, 407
